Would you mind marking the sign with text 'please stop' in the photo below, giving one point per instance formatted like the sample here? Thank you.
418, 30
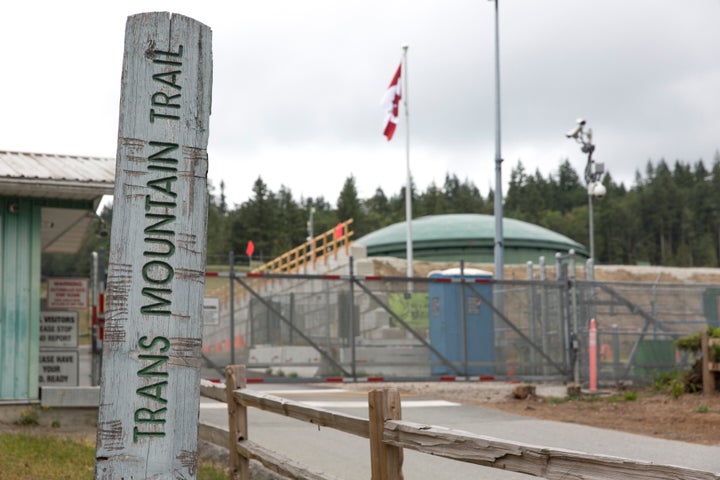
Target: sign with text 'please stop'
149, 401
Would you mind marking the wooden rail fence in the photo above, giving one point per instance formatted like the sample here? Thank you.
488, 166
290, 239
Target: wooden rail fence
388, 436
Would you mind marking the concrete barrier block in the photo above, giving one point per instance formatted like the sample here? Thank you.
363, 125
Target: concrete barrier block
70, 396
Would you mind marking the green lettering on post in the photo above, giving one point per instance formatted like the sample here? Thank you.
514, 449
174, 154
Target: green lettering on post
154, 309
142, 342
148, 371
158, 272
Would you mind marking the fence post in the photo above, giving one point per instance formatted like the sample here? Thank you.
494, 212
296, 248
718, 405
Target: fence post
532, 329
463, 316
543, 311
231, 261
708, 376
385, 460
235, 378
353, 333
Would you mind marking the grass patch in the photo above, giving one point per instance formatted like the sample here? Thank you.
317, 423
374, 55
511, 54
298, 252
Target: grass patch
557, 400
26, 457
629, 396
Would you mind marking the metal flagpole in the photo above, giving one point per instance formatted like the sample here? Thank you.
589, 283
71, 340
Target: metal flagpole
408, 186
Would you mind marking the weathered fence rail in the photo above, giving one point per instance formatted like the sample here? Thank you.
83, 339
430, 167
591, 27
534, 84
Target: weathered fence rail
389, 435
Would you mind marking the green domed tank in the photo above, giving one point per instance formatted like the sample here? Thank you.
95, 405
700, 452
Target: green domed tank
469, 237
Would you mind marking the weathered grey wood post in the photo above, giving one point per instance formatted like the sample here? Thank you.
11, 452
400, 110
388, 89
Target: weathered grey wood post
150, 389
386, 461
235, 378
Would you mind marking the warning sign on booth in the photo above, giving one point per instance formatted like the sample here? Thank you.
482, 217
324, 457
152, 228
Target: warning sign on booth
68, 293
59, 368
58, 329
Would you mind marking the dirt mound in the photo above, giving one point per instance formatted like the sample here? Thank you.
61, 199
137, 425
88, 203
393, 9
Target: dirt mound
396, 267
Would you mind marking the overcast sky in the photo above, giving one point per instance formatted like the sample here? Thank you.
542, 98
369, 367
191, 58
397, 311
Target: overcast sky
297, 86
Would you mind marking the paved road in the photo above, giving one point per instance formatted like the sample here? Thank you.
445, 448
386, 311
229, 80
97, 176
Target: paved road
347, 456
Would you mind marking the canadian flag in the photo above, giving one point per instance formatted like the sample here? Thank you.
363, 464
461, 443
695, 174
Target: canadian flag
391, 103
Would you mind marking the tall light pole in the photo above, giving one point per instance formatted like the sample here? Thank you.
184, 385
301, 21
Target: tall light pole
499, 252
593, 175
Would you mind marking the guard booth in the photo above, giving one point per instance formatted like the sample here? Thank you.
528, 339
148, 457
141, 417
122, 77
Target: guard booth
47, 204
461, 325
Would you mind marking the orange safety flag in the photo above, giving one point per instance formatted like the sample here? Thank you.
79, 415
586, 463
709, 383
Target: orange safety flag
338, 231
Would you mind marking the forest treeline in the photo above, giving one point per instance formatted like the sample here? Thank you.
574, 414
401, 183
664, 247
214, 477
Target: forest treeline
670, 215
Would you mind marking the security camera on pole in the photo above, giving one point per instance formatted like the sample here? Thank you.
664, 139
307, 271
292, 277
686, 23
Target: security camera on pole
593, 174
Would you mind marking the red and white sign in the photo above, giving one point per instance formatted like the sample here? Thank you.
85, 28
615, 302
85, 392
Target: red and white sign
67, 293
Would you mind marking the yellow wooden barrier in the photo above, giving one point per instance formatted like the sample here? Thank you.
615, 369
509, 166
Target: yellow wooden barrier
317, 248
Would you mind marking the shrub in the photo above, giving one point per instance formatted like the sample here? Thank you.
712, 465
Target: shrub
692, 379
674, 383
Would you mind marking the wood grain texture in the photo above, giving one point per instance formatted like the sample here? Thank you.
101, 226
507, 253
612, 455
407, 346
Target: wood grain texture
544, 462
149, 401
317, 416
235, 378
386, 461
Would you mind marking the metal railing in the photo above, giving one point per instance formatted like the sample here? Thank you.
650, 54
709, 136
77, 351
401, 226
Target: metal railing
317, 248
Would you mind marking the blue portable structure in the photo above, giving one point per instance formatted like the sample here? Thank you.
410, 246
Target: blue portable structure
462, 332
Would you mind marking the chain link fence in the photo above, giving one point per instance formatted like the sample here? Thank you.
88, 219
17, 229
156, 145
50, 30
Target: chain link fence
447, 326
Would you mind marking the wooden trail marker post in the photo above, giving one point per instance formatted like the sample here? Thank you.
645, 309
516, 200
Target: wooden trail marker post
150, 390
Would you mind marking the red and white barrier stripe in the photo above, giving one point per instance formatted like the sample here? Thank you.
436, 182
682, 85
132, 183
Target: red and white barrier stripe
366, 278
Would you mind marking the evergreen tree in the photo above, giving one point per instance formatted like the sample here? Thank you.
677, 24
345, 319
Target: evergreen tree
288, 224
349, 206
377, 209
253, 221
218, 227
432, 202
462, 197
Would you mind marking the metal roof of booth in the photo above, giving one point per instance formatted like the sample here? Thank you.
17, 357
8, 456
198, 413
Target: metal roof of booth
55, 176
